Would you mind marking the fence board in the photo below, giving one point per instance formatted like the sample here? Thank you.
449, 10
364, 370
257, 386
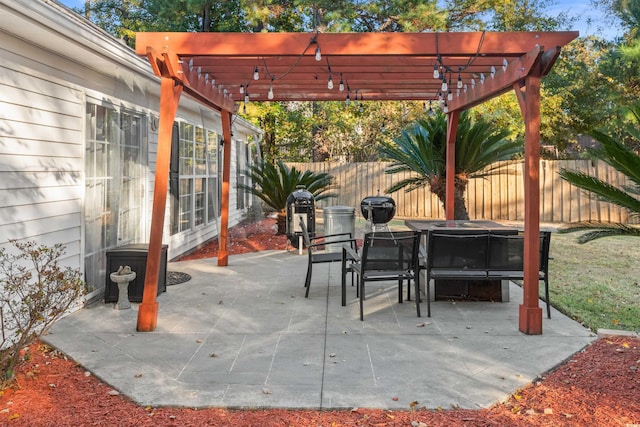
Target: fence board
499, 197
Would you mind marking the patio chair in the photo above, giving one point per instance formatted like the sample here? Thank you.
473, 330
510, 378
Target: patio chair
386, 256
317, 250
506, 260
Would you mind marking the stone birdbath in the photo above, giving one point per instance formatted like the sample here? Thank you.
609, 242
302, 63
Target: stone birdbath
122, 277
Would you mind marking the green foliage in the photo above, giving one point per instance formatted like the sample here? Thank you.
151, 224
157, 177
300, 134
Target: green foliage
623, 159
275, 182
421, 149
35, 291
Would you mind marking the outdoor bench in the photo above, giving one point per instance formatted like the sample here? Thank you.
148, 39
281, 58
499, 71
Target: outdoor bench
482, 256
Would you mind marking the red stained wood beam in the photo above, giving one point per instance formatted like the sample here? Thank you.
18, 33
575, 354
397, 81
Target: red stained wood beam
170, 92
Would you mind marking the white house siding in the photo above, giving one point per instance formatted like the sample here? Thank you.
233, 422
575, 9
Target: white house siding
54, 64
41, 152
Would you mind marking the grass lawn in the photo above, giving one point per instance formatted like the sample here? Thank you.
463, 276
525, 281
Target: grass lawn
596, 283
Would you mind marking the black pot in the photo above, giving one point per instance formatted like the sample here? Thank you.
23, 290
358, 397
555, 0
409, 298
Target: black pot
381, 207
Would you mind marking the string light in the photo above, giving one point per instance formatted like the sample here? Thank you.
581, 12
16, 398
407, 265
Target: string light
246, 98
270, 94
505, 64
330, 83
444, 84
450, 95
348, 100
436, 71
493, 71
459, 80
318, 54
256, 74
241, 88
341, 87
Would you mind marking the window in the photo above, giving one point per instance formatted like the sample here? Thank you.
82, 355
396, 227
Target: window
242, 162
197, 180
213, 201
115, 172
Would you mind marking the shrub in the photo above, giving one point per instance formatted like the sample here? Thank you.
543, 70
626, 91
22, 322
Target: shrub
35, 291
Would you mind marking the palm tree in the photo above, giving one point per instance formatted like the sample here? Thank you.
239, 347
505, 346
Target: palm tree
616, 154
421, 149
273, 183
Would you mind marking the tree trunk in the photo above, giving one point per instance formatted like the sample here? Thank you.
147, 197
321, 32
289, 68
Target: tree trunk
438, 187
282, 222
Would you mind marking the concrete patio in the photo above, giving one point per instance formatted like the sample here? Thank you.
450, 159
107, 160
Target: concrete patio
244, 336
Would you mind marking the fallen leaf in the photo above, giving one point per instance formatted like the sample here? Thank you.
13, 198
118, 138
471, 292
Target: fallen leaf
138, 375
266, 391
395, 399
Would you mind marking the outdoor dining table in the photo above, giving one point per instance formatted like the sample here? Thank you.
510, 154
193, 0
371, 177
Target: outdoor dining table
497, 290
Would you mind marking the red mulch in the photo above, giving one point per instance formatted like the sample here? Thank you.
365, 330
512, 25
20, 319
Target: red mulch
252, 237
599, 386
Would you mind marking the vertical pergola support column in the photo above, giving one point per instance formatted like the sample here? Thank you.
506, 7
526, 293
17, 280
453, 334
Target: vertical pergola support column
450, 191
530, 313
223, 256
170, 91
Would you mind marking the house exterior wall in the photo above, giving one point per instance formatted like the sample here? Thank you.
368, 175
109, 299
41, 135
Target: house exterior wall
56, 64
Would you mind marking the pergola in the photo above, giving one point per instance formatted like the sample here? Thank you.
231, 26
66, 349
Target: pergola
453, 71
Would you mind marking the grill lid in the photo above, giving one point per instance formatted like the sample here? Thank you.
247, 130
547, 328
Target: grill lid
382, 208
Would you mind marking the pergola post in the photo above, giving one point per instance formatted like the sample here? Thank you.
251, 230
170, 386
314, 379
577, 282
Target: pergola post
530, 313
450, 191
223, 256
170, 92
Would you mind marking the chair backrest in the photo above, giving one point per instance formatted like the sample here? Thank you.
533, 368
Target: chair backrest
390, 250
463, 251
507, 252
545, 245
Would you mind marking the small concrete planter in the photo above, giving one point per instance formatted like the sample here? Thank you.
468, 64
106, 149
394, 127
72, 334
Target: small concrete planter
122, 278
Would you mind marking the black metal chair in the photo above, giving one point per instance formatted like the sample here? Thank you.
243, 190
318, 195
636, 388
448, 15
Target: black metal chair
453, 257
506, 260
317, 250
386, 256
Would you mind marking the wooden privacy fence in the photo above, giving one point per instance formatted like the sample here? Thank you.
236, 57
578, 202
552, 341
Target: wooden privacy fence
498, 197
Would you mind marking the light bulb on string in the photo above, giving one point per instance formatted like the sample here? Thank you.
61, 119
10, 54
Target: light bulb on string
256, 74
493, 71
241, 88
505, 64
341, 87
459, 81
348, 100
436, 71
444, 84
270, 94
318, 54
450, 95
246, 98
330, 83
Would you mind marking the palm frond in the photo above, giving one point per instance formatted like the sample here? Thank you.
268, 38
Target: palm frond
602, 190
598, 230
